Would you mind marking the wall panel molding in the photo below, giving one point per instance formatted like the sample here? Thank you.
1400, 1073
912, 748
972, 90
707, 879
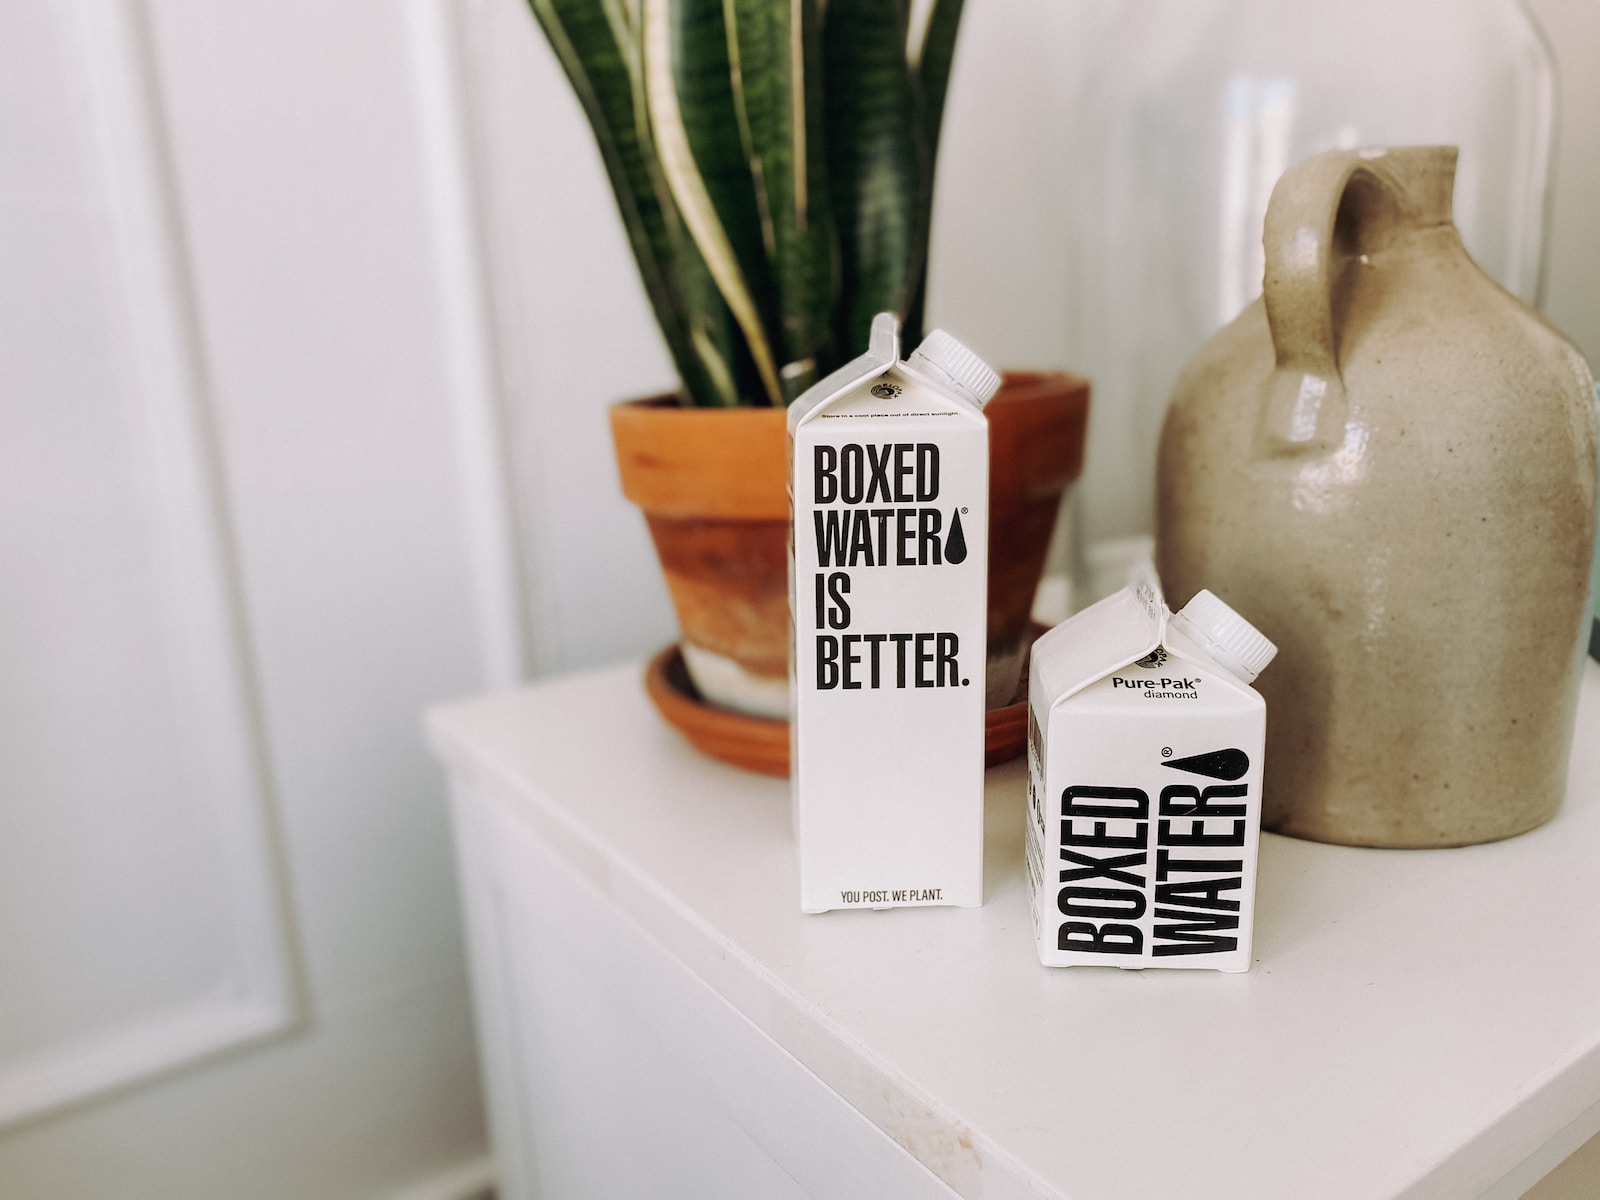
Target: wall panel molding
483, 466
253, 992
70, 1073
470, 1181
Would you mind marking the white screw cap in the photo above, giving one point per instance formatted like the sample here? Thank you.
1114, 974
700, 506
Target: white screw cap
1224, 635
948, 361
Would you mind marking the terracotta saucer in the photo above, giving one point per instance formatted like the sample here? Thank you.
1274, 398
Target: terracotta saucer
761, 743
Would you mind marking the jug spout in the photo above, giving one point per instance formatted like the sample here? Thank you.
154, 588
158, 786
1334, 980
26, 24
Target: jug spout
1423, 179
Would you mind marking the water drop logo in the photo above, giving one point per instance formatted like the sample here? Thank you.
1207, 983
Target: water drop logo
955, 542
1218, 764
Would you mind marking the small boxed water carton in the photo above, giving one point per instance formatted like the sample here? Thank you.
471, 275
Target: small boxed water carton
1144, 783
889, 477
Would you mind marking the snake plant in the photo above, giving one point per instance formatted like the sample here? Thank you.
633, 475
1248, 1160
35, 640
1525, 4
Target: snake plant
773, 164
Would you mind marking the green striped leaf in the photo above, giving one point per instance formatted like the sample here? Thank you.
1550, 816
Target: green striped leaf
877, 162
599, 50
773, 164
775, 68
682, 68
937, 52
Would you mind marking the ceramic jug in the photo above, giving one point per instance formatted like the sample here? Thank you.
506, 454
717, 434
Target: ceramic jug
1388, 465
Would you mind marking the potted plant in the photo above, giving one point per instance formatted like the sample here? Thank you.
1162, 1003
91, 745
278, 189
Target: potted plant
773, 164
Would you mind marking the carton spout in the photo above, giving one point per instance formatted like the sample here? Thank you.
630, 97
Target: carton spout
1222, 633
955, 367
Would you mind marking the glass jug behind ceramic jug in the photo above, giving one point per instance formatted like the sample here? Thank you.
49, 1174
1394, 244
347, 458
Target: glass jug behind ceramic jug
1194, 110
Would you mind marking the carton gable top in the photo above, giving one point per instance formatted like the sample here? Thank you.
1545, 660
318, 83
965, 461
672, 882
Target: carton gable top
882, 357
883, 351
1107, 636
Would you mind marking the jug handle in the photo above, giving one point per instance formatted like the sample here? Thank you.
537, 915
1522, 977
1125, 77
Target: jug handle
1304, 409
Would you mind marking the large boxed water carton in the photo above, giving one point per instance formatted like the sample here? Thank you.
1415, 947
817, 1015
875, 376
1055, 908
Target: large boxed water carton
889, 476
1144, 796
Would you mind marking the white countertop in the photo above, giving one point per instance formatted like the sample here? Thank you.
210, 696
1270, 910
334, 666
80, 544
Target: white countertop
1418, 1023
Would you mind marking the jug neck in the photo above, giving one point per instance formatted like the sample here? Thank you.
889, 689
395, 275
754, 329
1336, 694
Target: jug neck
1391, 191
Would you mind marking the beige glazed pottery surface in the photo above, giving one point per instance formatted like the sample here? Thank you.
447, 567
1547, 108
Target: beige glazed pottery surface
1388, 465
713, 485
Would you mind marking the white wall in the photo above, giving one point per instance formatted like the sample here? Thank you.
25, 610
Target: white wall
239, 563
573, 334
1572, 279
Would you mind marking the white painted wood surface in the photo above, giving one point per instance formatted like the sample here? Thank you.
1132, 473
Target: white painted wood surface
618, 1072
1418, 1024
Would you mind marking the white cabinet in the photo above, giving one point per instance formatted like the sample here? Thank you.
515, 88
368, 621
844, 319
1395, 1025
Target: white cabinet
618, 1071
660, 1020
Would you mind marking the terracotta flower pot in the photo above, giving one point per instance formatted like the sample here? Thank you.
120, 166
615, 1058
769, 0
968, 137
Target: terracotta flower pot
713, 487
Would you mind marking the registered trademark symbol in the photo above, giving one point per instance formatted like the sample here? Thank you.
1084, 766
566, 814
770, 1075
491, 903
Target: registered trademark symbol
1166, 752
963, 510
